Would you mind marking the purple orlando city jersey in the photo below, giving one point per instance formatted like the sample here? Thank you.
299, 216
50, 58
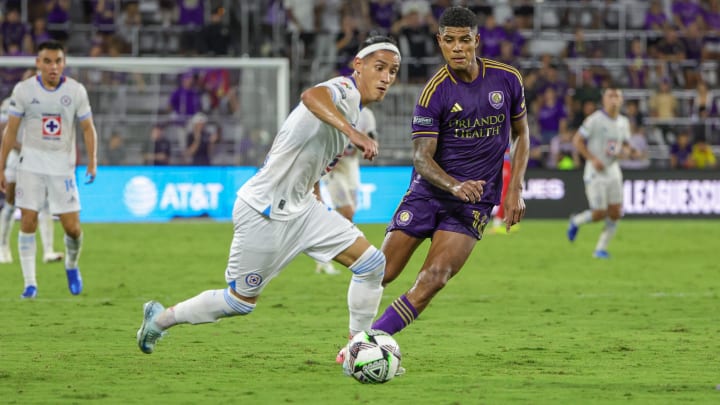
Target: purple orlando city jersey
472, 123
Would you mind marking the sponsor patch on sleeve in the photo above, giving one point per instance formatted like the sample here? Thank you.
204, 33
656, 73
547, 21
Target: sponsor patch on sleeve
422, 121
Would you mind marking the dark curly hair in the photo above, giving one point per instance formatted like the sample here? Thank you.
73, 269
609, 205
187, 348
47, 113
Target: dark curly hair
458, 17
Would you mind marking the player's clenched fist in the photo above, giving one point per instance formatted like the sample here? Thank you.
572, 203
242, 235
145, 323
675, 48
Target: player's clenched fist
469, 191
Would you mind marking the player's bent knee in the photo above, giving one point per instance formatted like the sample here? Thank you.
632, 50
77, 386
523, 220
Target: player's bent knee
370, 266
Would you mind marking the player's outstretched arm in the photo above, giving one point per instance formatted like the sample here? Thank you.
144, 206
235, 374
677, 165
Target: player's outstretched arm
319, 101
425, 164
90, 137
520, 153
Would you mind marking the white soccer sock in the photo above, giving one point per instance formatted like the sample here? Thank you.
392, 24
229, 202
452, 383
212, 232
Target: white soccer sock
606, 235
582, 218
47, 236
72, 251
7, 218
27, 250
365, 290
208, 306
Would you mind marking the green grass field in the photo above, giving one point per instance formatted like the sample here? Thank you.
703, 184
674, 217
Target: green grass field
531, 319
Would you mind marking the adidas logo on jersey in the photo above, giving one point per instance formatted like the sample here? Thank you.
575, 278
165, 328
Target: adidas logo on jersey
456, 108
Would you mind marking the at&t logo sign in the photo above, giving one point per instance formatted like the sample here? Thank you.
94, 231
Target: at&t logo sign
141, 196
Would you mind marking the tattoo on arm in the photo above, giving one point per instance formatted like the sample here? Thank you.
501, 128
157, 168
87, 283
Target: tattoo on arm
427, 167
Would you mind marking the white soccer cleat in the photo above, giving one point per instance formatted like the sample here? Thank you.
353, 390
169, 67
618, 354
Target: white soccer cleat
5, 254
149, 333
51, 257
326, 268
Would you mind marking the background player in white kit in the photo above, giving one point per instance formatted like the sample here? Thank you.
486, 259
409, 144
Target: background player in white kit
48, 105
343, 181
602, 140
7, 213
277, 216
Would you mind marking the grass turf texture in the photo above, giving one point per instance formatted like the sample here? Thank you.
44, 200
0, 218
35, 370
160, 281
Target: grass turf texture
530, 319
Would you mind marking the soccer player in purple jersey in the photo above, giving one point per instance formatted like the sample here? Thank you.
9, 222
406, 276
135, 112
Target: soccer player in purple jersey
465, 117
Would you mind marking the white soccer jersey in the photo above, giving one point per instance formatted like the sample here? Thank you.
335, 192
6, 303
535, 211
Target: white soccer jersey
49, 120
310, 148
605, 137
349, 165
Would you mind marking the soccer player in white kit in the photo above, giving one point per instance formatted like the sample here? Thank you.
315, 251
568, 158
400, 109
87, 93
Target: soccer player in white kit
603, 139
7, 213
48, 106
277, 215
343, 181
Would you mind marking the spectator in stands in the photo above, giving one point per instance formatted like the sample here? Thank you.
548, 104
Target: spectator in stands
633, 114
103, 18
655, 17
39, 32
584, 16
638, 68
116, 150
671, 51
301, 23
329, 27
563, 154
524, 11
584, 91
694, 43
663, 104
157, 151
702, 156
686, 12
191, 17
491, 36
382, 15
640, 158
58, 19
512, 34
578, 117
14, 31
347, 45
222, 94
551, 115
415, 33
438, 7
507, 53
711, 28
537, 151
578, 47
129, 22
187, 99
215, 35
704, 100
360, 10
681, 150
200, 141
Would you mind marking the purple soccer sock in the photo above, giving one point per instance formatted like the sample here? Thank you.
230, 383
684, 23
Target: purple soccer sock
397, 316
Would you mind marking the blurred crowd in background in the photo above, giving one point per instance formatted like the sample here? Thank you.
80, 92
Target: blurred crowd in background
664, 54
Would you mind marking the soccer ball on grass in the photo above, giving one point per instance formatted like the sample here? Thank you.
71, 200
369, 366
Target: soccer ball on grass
373, 357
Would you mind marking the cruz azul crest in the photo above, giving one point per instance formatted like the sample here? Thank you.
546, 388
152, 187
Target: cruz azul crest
496, 99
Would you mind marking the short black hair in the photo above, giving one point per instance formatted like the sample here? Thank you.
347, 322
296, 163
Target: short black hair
457, 16
51, 45
376, 39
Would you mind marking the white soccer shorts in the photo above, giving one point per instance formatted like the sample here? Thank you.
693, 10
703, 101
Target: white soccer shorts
11, 166
262, 247
33, 189
341, 189
602, 191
